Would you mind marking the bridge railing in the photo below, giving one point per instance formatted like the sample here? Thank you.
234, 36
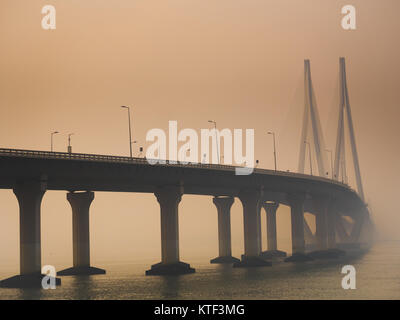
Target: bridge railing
35, 154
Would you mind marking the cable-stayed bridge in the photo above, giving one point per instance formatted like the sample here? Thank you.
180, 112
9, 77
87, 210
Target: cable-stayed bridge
341, 214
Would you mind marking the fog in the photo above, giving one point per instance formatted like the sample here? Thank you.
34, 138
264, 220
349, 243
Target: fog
239, 63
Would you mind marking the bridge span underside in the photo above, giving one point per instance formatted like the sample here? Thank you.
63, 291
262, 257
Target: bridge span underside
31, 173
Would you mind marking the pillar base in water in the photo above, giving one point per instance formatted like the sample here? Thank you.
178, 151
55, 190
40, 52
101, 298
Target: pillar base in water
269, 254
26, 281
349, 246
327, 254
250, 262
76, 271
227, 259
298, 257
170, 269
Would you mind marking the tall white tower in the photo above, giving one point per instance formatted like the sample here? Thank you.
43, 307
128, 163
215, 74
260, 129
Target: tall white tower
313, 137
345, 113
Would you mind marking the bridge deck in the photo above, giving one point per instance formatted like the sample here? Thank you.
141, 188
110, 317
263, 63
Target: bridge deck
77, 171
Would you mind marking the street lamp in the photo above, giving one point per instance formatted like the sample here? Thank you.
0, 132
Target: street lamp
273, 136
132, 143
140, 152
216, 138
130, 134
309, 152
69, 143
51, 143
330, 151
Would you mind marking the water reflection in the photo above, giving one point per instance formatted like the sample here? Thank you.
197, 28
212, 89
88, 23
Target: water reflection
170, 286
377, 277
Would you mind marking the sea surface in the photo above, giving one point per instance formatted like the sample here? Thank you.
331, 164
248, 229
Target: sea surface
377, 277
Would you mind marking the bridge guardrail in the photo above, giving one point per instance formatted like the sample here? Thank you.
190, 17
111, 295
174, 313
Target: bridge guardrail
134, 160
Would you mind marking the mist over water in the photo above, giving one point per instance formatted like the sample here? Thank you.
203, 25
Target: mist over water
377, 277
190, 61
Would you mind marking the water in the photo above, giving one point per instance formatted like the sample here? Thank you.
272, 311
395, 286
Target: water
378, 277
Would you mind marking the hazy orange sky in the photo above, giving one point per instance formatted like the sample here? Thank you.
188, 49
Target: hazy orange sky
237, 62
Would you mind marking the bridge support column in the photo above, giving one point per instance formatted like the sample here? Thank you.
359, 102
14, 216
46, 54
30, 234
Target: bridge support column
251, 213
356, 231
29, 195
224, 205
323, 225
341, 230
272, 243
331, 225
296, 202
80, 203
321, 211
169, 198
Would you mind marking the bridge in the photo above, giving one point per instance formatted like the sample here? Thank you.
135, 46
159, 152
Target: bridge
31, 173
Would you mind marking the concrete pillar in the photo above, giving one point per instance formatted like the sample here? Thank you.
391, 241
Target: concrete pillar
224, 205
360, 218
270, 209
251, 220
321, 204
341, 230
80, 203
250, 202
169, 197
29, 195
259, 209
331, 225
296, 202
272, 243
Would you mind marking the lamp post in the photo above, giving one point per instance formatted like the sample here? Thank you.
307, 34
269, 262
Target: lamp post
273, 136
140, 151
133, 142
330, 151
130, 134
216, 138
309, 152
69, 143
51, 143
